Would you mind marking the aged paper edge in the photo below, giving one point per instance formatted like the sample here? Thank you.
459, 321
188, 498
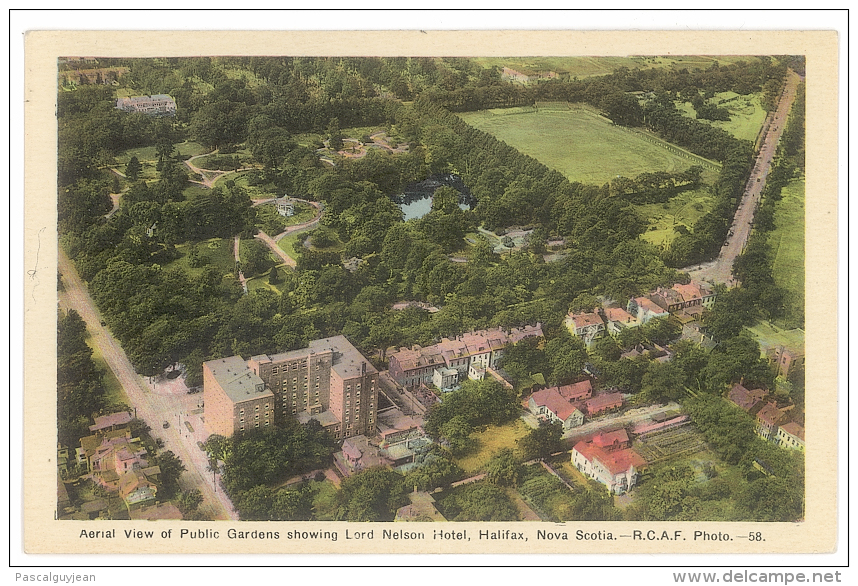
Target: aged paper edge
42, 534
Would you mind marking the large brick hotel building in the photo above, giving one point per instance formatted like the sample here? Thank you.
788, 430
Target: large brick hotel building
329, 381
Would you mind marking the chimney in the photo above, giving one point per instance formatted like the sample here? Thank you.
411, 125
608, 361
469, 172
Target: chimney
363, 368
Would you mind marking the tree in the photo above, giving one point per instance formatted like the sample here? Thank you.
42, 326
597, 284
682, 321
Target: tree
171, 469
735, 359
566, 356
503, 468
371, 495
663, 381
457, 433
480, 501
256, 258
132, 169
542, 441
189, 501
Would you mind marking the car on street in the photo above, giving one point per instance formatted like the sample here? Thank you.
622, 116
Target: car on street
166, 424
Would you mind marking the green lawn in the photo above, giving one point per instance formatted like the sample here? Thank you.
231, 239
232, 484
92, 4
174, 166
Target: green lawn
218, 250
787, 244
148, 153
264, 191
770, 335
686, 208
490, 441
746, 114
267, 217
261, 282
287, 245
583, 147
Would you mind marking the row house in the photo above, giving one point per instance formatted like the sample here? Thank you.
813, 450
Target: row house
608, 458
645, 309
749, 401
768, 420
618, 319
679, 297
471, 355
790, 436
771, 422
588, 326
785, 359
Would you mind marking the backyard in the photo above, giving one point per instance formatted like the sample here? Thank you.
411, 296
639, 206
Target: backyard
489, 441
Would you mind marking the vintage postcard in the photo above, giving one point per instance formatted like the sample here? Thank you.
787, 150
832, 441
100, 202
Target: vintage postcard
428, 292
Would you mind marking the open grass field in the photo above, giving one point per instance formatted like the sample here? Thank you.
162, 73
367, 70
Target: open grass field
589, 66
261, 281
217, 250
583, 147
746, 114
490, 441
787, 242
148, 154
686, 208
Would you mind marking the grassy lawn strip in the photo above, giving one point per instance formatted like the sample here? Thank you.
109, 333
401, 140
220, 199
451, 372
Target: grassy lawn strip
116, 396
490, 440
787, 244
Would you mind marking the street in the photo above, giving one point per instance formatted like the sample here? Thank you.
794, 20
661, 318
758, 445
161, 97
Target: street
153, 405
721, 269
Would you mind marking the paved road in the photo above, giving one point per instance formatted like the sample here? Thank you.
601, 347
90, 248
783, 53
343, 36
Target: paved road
152, 405
721, 269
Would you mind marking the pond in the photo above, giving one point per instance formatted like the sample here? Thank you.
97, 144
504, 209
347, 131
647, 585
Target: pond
416, 199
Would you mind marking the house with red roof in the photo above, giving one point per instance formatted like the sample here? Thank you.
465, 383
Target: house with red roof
747, 400
607, 458
618, 319
549, 404
768, 418
644, 309
577, 391
588, 326
603, 403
